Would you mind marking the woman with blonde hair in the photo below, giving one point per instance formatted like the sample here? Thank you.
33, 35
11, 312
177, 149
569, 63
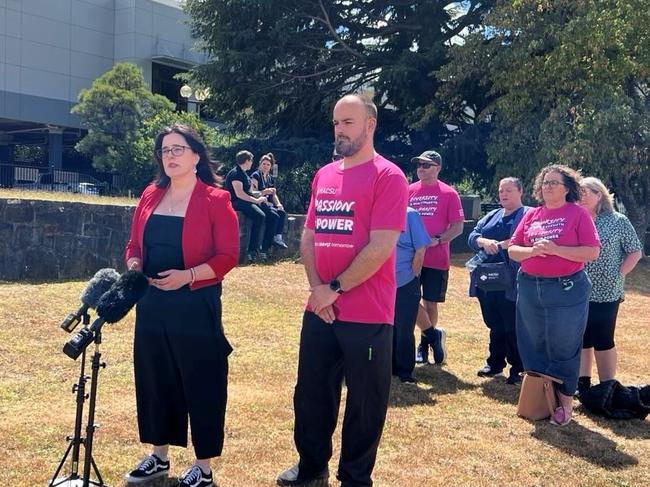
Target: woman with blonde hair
620, 252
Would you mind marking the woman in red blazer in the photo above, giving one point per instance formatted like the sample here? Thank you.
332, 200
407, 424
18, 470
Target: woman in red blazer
185, 238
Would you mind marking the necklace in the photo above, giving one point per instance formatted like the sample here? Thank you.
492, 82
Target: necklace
178, 204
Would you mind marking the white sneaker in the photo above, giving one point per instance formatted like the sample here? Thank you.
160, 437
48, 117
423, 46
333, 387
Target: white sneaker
277, 240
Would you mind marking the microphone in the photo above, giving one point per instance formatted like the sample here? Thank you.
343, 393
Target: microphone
98, 285
111, 307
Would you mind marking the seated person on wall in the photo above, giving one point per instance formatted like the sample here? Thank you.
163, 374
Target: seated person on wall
249, 202
263, 180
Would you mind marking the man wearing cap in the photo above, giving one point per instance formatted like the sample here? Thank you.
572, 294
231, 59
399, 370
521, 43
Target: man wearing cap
442, 213
356, 213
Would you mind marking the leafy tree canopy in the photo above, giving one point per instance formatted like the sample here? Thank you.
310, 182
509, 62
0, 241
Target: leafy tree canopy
567, 81
276, 68
123, 117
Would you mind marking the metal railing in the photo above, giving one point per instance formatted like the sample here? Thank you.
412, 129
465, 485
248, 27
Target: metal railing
44, 179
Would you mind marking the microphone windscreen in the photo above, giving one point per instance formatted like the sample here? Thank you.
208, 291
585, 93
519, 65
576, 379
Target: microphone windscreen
122, 296
98, 285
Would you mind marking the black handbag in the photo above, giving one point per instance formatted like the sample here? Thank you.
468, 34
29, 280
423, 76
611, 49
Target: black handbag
495, 276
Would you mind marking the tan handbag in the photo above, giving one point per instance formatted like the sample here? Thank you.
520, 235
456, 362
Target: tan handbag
537, 398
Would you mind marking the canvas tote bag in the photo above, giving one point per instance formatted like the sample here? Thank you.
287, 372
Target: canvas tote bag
537, 398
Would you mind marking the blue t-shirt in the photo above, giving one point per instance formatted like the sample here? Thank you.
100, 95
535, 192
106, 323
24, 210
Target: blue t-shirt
414, 237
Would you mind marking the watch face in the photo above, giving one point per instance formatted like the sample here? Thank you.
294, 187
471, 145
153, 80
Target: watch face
335, 285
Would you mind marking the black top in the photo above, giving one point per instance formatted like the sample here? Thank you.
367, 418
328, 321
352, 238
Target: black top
263, 183
163, 247
237, 174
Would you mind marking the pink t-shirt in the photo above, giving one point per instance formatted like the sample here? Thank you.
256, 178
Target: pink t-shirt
439, 206
345, 206
569, 226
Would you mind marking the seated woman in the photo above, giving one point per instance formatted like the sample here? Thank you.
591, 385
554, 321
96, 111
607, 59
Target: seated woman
553, 242
250, 203
262, 180
621, 250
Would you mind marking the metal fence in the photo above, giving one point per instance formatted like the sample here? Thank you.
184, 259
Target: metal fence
45, 179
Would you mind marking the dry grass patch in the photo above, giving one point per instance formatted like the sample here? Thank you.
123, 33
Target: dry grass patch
453, 429
25, 194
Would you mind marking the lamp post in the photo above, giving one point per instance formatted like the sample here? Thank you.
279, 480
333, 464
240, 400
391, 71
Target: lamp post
196, 97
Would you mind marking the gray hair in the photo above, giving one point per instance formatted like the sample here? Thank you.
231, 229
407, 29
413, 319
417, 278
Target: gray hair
606, 203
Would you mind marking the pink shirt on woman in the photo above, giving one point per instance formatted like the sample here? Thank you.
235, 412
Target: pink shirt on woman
568, 226
346, 205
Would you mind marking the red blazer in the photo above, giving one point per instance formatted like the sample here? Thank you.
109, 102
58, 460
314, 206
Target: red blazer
210, 230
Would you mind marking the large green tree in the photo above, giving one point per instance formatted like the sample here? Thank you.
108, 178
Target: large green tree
276, 67
568, 81
114, 110
123, 117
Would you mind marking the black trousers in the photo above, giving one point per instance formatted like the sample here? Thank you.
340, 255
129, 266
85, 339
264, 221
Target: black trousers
181, 368
257, 217
407, 299
499, 314
270, 226
360, 353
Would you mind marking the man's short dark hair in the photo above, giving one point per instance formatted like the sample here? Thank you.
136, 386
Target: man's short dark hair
243, 156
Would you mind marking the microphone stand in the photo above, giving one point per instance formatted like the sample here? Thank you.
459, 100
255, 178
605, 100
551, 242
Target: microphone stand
76, 440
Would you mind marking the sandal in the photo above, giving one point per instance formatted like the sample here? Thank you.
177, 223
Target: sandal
561, 416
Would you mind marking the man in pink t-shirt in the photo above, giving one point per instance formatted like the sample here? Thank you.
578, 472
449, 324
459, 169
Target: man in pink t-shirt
442, 213
357, 211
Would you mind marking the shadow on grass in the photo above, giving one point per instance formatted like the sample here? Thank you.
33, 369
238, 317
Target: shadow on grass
497, 389
432, 381
627, 428
578, 441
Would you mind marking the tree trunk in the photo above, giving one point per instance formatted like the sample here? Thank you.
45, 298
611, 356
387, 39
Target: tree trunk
634, 192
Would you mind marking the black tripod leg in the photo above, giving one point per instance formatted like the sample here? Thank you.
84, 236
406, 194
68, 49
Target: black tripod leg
75, 440
90, 428
61, 463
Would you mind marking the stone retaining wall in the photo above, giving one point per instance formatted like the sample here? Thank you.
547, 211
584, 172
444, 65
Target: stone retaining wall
54, 240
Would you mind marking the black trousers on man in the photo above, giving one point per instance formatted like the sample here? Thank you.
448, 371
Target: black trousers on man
499, 314
256, 216
407, 300
360, 353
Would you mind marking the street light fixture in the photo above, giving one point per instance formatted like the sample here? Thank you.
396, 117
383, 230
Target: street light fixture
196, 97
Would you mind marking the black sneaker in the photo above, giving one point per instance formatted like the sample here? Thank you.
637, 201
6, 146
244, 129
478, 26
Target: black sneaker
488, 371
150, 468
422, 353
439, 347
408, 379
514, 380
195, 477
291, 476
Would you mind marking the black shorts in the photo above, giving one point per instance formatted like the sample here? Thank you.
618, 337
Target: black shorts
601, 324
434, 284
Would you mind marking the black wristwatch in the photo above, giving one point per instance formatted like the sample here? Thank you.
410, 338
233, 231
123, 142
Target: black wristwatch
335, 286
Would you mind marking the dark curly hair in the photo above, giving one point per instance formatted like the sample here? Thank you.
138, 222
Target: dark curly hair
570, 178
206, 169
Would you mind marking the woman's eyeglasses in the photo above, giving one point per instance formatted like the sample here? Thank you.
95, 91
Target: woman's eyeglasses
174, 150
425, 165
553, 183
